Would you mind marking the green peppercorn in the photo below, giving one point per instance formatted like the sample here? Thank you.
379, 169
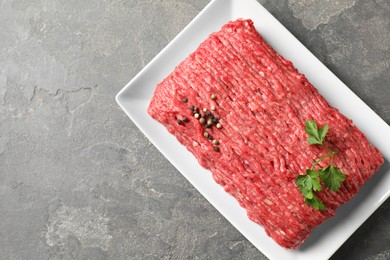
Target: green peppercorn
219, 125
206, 134
196, 115
213, 96
212, 108
209, 122
202, 121
215, 142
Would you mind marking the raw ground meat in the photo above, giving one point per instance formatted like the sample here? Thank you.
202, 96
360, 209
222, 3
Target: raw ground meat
262, 103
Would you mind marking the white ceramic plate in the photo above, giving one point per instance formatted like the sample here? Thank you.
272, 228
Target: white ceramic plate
328, 237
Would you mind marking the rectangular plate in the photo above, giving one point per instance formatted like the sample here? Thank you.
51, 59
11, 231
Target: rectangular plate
327, 238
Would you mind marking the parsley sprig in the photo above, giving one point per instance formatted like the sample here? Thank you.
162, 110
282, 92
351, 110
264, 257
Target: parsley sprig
331, 175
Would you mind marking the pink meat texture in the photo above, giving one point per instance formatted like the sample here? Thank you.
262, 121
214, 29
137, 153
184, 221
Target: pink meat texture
262, 103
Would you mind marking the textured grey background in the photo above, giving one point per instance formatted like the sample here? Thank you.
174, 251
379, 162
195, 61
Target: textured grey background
79, 181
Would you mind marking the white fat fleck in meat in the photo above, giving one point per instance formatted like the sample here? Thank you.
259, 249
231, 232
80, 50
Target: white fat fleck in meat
282, 164
262, 74
290, 207
276, 163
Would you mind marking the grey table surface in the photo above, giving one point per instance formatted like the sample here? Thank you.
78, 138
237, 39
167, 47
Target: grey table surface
78, 180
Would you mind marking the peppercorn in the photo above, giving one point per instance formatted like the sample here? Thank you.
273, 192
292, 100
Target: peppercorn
219, 125
212, 108
206, 134
179, 122
185, 119
185, 100
205, 110
215, 142
215, 121
210, 137
213, 96
208, 113
196, 115
216, 148
202, 121
192, 108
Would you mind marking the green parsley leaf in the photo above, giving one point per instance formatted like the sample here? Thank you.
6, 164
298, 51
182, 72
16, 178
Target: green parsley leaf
316, 203
313, 140
316, 136
322, 132
332, 177
307, 184
311, 129
307, 193
300, 179
315, 183
301, 182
